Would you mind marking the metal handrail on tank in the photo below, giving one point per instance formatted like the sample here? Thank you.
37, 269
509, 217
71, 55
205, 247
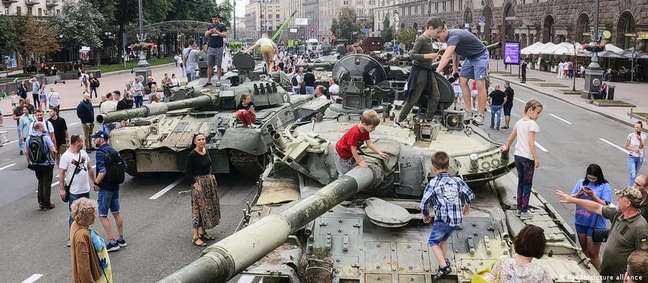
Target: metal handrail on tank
157, 108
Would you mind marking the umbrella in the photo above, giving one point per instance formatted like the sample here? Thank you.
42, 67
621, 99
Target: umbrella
566, 48
610, 54
532, 49
611, 47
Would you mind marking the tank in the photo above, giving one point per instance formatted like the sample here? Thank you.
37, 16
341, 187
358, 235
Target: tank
157, 137
310, 225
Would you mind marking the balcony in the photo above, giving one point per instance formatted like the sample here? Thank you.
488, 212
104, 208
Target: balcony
51, 3
31, 2
8, 2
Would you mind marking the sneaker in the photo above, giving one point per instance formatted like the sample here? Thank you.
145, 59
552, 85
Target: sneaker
21, 153
68, 243
442, 272
518, 213
468, 116
478, 119
525, 215
112, 246
122, 243
207, 84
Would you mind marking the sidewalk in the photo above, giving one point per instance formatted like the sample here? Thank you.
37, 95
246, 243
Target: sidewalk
548, 84
71, 90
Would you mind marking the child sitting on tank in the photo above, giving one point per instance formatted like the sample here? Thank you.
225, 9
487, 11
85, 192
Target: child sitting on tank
450, 197
245, 111
347, 147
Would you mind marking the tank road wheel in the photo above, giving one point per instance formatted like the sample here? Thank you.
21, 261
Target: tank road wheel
131, 164
247, 164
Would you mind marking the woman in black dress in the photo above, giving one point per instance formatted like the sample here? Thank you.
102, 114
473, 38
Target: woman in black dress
205, 207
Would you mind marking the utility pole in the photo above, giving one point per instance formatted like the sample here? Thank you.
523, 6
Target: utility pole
234, 18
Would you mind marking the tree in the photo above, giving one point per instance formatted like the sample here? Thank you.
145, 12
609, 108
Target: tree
335, 27
11, 28
387, 32
347, 26
40, 39
407, 36
80, 24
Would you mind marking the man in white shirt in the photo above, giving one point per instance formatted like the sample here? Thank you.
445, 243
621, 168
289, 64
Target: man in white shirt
109, 105
192, 61
334, 89
48, 129
76, 172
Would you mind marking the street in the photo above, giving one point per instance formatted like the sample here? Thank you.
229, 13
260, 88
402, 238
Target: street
157, 210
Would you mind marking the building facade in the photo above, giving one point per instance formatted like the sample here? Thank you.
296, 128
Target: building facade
39, 8
263, 16
528, 21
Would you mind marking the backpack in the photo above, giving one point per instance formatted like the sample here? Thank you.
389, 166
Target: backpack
115, 169
36, 150
294, 81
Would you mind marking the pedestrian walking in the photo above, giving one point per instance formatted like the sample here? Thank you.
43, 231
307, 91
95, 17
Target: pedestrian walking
110, 174
42, 98
191, 61
448, 212
524, 71
138, 91
530, 243
628, 229
205, 206
94, 85
48, 127
185, 54
22, 90
36, 86
635, 143
497, 101
464, 43
40, 158
85, 81
508, 104
309, 82
17, 114
526, 157
216, 32
85, 112
54, 99
59, 127
76, 175
90, 261
561, 66
590, 227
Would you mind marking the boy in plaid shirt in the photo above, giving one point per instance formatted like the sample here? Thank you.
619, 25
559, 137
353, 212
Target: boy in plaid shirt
450, 197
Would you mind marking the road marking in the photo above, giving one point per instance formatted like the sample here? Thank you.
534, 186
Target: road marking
10, 142
614, 145
33, 278
166, 189
7, 166
520, 100
541, 147
561, 119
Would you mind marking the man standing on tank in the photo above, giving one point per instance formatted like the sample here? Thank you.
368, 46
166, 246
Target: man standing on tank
475, 66
421, 78
216, 32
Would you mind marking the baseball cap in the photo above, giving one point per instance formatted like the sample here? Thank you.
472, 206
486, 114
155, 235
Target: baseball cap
101, 134
632, 194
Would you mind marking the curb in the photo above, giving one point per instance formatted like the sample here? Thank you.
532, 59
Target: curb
563, 100
129, 70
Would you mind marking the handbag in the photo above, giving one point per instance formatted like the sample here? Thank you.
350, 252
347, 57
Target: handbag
599, 235
66, 198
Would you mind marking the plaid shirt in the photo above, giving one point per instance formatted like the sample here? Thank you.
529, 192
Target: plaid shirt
448, 194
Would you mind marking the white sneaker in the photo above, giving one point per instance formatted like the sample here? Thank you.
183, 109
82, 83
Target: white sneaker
468, 116
478, 119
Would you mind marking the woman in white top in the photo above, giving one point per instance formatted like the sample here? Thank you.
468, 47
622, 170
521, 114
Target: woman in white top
526, 158
635, 145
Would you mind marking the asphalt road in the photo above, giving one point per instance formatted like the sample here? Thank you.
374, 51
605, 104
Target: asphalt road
158, 230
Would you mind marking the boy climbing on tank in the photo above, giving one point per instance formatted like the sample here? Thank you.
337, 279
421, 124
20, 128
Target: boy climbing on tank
450, 197
245, 111
347, 147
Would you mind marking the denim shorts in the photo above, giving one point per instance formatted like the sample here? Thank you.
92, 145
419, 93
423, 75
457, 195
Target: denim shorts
441, 231
108, 201
475, 68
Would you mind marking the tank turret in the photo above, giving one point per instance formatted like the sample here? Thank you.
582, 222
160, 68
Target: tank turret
157, 108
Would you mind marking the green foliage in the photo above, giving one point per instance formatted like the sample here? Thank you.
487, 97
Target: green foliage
200, 10
346, 25
40, 38
11, 28
407, 36
335, 27
387, 32
80, 24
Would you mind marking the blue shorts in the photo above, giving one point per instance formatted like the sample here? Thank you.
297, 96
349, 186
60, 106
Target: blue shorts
108, 201
587, 230
441, 231
475, 68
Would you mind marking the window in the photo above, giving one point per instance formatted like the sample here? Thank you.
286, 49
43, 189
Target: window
277, 16
436, 7
40, 12
444, 6
452, 2
19, 11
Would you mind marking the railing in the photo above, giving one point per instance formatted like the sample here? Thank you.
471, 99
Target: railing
32, 2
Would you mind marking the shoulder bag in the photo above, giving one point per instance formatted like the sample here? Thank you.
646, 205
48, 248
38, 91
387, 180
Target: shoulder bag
67, 186
599, 235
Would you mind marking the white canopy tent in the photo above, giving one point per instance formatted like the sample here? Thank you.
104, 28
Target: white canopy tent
532, 49
547, 49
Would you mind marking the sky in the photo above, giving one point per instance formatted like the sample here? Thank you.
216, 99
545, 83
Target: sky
240, 6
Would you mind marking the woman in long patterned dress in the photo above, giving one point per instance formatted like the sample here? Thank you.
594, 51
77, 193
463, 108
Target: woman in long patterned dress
205, 207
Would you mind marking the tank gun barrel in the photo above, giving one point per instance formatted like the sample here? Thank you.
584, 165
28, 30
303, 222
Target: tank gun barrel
155, 109
317, 65
223, 260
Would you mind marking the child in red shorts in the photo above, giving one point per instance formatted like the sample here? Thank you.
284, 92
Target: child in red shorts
245, 111
347, 147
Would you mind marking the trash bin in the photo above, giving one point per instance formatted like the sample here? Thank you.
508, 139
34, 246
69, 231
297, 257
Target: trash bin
610, 92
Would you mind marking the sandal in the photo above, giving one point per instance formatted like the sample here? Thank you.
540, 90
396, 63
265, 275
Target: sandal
207, 237
195, 242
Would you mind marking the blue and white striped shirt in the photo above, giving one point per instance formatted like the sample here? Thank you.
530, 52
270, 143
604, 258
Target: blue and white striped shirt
448, 195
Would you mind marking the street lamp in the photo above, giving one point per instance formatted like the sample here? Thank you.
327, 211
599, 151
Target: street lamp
593, 73
142, 68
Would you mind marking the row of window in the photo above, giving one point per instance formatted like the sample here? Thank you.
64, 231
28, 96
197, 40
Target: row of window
30, 11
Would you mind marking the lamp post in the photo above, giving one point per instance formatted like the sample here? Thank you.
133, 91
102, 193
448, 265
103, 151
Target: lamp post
142, 68
593, 73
